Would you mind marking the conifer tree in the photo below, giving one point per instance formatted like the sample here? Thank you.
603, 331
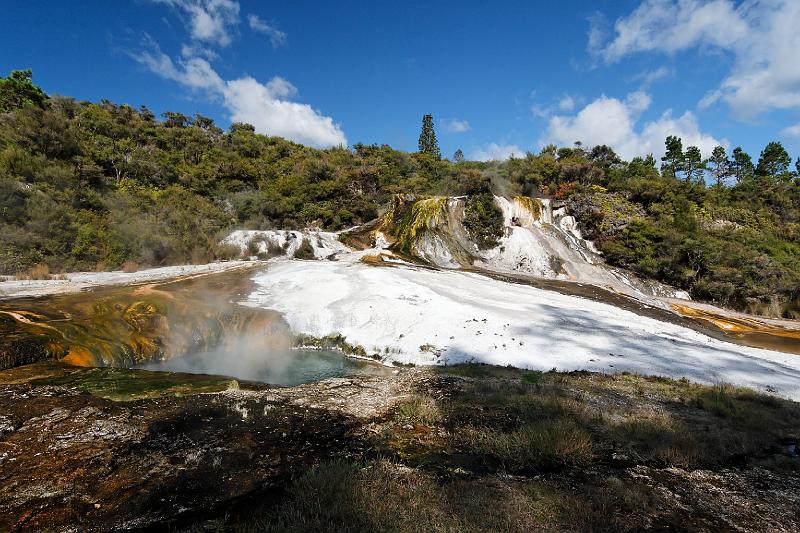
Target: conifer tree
673, 160
774, 161
427, 138
458, 157
742, 164
693, 164
721, 167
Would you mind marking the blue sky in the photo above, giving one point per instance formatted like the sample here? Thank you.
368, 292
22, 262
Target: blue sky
499, 77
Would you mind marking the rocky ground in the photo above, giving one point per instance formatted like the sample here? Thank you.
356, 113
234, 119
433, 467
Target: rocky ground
462, 448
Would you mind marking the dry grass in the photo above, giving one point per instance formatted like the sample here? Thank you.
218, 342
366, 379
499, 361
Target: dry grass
419, 410
385, 496
555, 433
372, 259
39, 272
535, 446
226, 251
129, 267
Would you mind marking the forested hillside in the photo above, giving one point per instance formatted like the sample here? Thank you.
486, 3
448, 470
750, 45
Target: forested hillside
92, 185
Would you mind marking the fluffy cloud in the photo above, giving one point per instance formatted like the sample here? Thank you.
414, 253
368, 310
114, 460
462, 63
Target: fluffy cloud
614, 122
456, 126
649, 77
276, 36
567, 103
263, 107
497, 152
761, 35
791, 131
210, 21
267, 106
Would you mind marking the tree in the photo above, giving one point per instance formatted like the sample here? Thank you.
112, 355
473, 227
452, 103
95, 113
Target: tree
774, 161
244, 127
17, 90
693, 164
175, 120
604, 156
721, 166
427, 138
673, 160
458, 157
742, 165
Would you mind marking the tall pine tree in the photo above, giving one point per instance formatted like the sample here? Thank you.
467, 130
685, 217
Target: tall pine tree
673, 160
742, 164
427, 138
720, 166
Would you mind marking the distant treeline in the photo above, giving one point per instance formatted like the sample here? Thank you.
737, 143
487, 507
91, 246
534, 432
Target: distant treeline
87, 186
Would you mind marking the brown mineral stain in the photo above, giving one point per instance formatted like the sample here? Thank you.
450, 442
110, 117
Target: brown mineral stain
757, 332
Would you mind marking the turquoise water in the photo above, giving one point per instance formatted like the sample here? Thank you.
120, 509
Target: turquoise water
285, 367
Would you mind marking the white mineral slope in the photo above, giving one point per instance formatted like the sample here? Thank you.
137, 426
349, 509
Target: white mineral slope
286, 242
78, 281
421, 316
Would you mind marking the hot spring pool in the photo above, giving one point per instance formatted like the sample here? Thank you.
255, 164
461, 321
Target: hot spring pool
286, 367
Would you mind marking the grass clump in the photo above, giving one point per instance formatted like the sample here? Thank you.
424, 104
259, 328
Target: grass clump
129, 267
537, 445
37, 272
419, 410
305, 250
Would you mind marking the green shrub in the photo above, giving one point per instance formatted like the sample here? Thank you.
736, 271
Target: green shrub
305, 250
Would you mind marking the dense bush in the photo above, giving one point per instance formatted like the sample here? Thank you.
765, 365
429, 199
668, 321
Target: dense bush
87, 186
483, 219
92, 185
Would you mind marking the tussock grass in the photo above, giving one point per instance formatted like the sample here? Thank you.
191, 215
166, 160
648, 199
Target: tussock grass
305, 250
419, 410
130, 267
37, 272
535, 445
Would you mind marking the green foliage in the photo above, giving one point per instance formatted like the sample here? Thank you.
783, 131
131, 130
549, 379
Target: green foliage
305, 250
483, 219
736, 246
18, 91
774, 161
673, 159
427, 138
91, 185
421, 214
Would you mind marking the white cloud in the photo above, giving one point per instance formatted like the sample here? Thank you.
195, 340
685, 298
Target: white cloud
258, 104
211, 21
614, 122
497, 152
791, 131
567, 103
456, 126
649, 77
761, 35
276, 36
265, 106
